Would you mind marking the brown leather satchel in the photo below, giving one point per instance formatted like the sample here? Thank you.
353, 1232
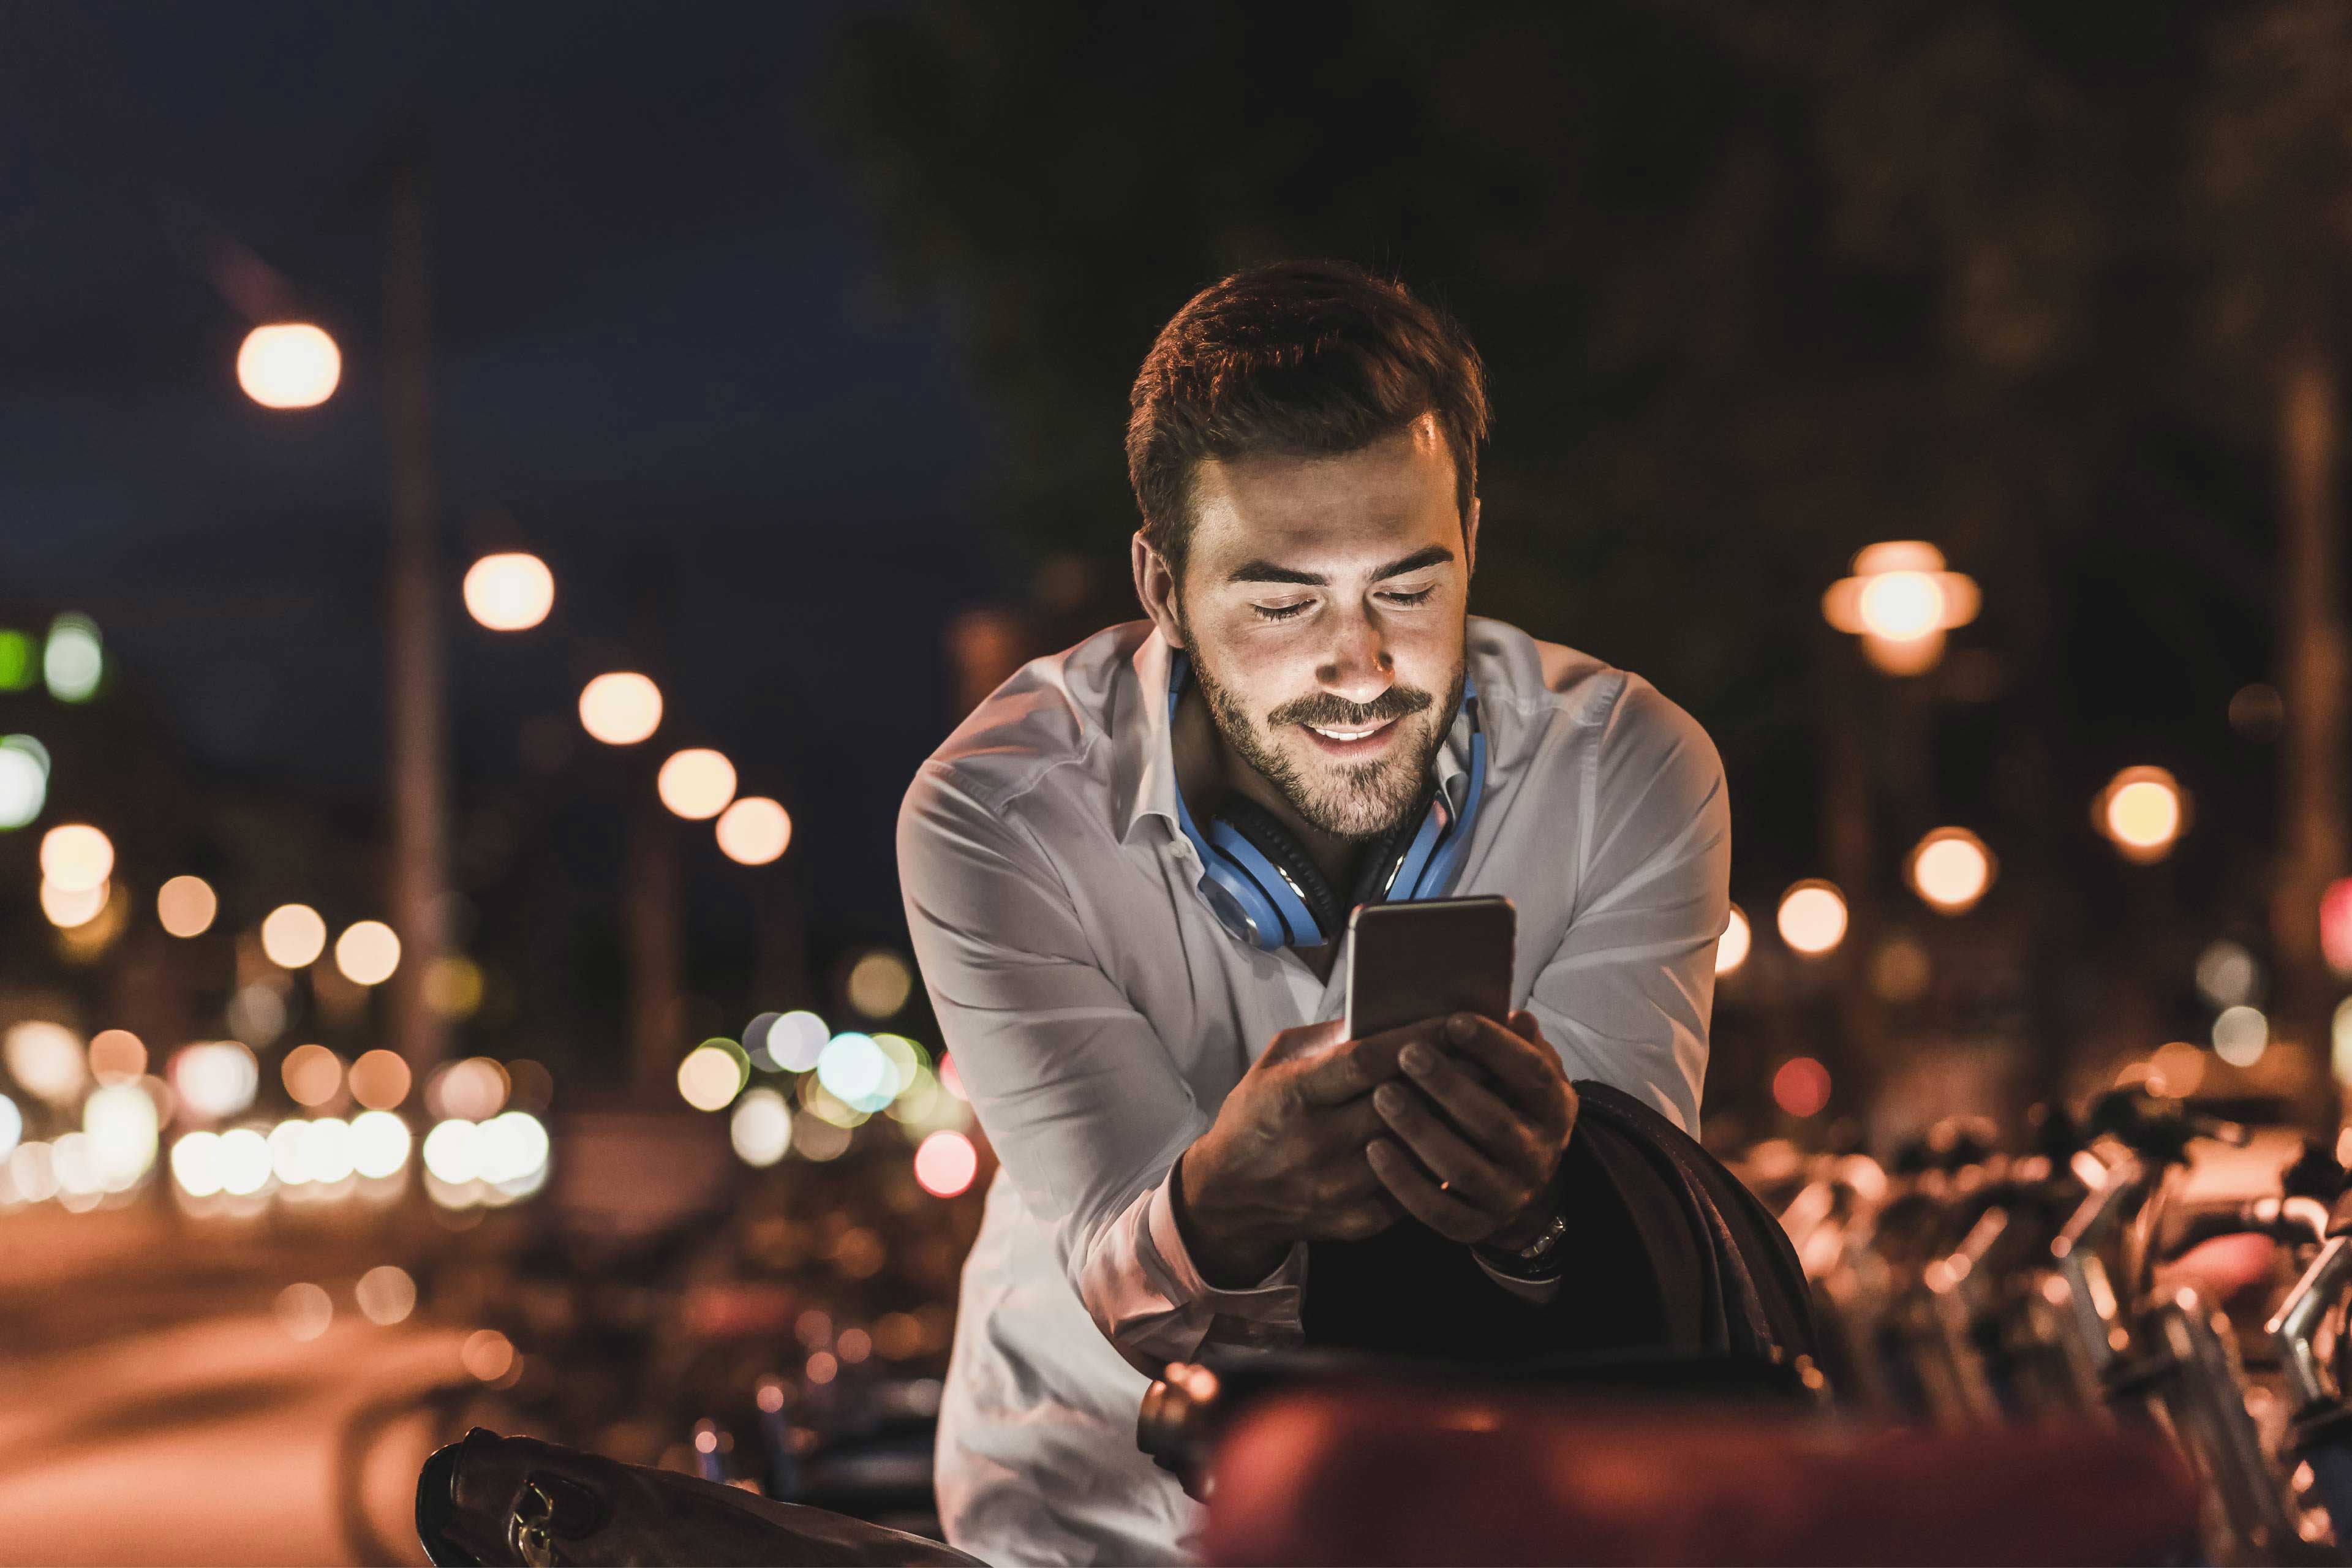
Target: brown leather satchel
489, 1500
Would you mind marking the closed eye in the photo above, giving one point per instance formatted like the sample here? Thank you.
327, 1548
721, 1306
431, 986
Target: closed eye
1282, 611
1417, 596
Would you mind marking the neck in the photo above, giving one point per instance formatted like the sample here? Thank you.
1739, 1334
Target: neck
1205, 765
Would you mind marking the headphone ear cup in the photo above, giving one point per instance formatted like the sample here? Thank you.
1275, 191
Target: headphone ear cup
1257, 826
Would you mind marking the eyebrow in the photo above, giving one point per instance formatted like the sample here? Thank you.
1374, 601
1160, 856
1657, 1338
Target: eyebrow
1264, 571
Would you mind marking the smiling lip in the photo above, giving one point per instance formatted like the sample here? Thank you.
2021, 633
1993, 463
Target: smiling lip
1365, 745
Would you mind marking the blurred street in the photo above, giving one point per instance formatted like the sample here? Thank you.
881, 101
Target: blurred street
157, 1410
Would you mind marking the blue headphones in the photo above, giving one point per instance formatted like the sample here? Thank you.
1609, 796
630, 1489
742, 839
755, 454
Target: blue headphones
1268, 890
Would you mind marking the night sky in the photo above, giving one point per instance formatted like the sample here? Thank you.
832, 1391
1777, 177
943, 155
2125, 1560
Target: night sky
669, 360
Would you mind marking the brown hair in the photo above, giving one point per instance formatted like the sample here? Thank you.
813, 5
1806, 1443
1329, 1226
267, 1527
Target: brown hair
1302, 357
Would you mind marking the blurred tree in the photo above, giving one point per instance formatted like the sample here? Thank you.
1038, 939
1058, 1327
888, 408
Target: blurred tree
1756, 283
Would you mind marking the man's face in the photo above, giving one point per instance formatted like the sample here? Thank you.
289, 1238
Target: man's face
1324, 603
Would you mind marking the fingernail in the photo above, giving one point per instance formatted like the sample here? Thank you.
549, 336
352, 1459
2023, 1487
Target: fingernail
1387, 1097
1417, 1057
1462, 1025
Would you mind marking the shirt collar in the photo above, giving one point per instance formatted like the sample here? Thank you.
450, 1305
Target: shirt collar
1144, 762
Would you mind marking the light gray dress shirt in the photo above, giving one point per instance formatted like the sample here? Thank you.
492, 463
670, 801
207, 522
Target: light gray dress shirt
1099, 1014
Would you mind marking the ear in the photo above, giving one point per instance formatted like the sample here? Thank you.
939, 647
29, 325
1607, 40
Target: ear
1155, 588
1470, 540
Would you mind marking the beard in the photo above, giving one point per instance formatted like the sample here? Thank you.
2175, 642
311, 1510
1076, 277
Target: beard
1355, 802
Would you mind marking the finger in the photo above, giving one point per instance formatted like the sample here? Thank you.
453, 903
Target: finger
1490, 1123
1336, 1132
1356, 1066
1523, 1066
1447, 1216
1460, 1169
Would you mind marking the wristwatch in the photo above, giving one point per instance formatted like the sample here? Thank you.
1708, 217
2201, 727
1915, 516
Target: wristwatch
1538, 1259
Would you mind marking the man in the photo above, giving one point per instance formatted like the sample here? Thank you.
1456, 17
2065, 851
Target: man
1177, 1115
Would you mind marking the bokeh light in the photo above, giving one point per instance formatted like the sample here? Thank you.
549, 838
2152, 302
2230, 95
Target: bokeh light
1801, 1087
755, 831
1902, 606
2142, 812
24, 781
257, 1013
2227, 974
289, 364
945, 1164
244, 1156
854, 1068
453, 986
696, 782
1731, 948
305, 1311
712, 1075
2177, 1068
73, 660
487, 1354
511, 1149
116, 1055
795, 1040
313, 1075
2241, 1035
2336, 926
119, 1127
196, 1163
46, 1059
814, 1138
12, 1126
76, 857
380, 1144
879, 983
293, 936
214, 1079
367, 953
1950, 870
510, 592
473, 1089
380, 1079
451, 1153
621, 709
1813, 918
761, 1127
186, 906
71, 909
385, 1294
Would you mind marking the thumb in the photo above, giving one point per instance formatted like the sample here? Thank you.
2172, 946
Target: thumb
1306, 1040
1523, 1024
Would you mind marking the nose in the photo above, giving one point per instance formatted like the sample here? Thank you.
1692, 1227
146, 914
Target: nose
1358, 665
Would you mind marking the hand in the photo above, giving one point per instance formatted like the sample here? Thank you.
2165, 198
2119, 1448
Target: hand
1494, 1150
1283, 1161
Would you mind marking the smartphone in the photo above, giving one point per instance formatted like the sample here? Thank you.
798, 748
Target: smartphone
1428, 957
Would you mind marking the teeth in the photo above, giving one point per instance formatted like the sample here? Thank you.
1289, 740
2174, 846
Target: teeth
1346, 734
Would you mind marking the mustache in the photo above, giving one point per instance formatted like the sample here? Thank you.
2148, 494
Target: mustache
1332, 713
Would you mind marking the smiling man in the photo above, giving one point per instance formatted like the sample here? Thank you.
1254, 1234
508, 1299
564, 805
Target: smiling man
1128, 875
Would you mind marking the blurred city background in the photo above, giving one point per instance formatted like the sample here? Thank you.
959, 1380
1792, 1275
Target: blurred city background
495, 503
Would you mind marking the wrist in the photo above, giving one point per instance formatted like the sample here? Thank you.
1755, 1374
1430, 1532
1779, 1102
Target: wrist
1532, 1223
1226, 1253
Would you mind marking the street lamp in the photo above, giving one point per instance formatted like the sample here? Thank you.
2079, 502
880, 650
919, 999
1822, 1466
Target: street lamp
1813, 918
1900, 602
289, 364
510, 592
2142, 812
1949, 869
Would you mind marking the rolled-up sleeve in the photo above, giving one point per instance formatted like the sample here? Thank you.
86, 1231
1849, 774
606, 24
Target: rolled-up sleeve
1073, 1086
1627, 997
